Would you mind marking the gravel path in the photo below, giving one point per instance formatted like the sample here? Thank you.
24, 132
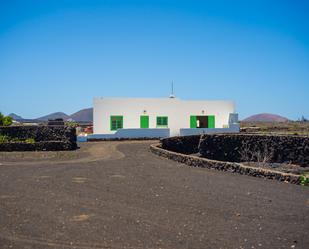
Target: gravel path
119, 195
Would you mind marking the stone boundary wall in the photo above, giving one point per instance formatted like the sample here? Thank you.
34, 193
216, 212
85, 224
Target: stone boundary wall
182, 144
277, 148
233, 167
38, 146
45, 137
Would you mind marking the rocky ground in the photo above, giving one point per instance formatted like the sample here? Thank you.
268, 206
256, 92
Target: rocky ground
282, 167
119, 195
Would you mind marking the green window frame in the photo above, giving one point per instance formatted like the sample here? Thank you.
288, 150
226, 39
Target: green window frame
144, 122
162, 121
116, 122
211, 121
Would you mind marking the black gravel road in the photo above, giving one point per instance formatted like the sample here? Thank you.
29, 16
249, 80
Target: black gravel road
120, 195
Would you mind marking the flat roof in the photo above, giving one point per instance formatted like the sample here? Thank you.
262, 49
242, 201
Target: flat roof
159, 98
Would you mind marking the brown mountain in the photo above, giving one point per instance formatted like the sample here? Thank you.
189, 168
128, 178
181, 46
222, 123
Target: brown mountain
54, 116
265, 117
84, 115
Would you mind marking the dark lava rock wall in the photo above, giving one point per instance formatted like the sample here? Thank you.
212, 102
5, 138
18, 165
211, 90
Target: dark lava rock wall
37, 146
185, 144
45, 137
234, 147
233, 167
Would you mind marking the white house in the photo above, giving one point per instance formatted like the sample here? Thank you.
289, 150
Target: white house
161, 117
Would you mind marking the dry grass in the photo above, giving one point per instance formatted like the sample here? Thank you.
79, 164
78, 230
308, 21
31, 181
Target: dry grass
260, 156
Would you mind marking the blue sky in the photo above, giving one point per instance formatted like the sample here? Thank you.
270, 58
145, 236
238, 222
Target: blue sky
58, 55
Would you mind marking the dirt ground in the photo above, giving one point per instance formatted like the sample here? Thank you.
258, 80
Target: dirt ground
120, 195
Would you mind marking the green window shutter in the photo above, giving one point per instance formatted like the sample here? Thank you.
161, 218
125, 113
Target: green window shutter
116, 122
162, 121
193, 123
211, 121
120, 125
144, 121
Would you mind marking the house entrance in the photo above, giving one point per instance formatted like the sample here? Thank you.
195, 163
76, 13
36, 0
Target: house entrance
202, 121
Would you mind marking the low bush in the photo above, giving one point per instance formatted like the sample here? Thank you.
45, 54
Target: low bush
4, 139
5, 120
304, 179
29, 141
71, 124
7, 139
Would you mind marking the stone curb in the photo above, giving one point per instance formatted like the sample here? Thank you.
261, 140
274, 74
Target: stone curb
239, 168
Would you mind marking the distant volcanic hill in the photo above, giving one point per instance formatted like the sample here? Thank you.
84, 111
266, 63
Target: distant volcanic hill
54, 116
15, 116
84, 115
265, 117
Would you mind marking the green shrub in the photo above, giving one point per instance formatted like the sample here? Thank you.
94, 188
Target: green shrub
71, 124
7, 139
29, 141
1, 119
4, 139
5, 120
304, 179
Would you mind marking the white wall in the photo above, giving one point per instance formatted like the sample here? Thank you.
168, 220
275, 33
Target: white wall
133, 133
200, 131
178, 112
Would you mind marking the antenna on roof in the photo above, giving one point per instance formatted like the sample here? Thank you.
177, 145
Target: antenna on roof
172, 94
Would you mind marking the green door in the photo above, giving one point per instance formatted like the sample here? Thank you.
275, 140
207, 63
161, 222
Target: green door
193, 123
211, 121
144, 122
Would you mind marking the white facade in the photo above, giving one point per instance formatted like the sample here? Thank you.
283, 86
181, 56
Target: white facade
178, 112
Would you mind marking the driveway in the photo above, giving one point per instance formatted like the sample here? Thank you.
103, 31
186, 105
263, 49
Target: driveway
120, 195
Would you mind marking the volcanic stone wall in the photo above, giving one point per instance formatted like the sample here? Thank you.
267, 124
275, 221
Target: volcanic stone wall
45, 137
185, 144
236, 147
232, 167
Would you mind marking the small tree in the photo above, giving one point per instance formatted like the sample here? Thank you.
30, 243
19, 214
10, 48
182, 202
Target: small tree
1, 119
5, 120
